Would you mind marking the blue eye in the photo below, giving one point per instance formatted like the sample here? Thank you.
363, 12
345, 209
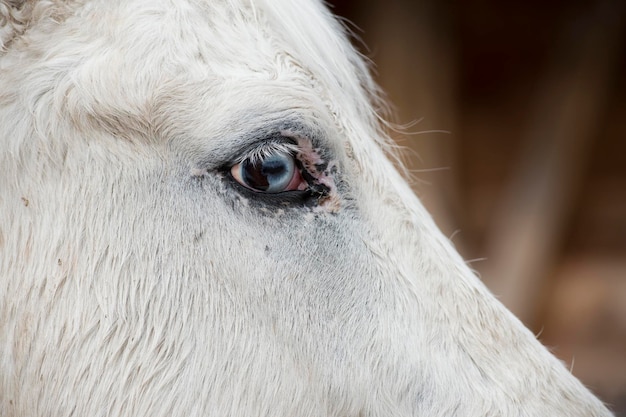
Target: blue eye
273, 173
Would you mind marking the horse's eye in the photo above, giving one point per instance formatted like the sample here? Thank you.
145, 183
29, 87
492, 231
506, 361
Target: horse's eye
273, 173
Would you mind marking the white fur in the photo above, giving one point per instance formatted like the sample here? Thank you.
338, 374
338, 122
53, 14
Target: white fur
136, 280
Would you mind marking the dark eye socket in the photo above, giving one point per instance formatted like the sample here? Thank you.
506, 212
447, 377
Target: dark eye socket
274, 172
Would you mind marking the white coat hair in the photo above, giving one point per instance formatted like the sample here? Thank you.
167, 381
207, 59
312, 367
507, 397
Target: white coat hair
199, 217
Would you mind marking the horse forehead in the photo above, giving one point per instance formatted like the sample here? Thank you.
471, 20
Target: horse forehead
221, 37
227, 38
191, 54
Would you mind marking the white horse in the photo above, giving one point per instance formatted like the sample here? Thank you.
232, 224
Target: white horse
197, 218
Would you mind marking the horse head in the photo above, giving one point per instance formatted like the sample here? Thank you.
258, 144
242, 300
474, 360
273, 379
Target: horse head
200, 216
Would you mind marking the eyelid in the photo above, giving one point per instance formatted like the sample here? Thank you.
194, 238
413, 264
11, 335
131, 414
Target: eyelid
264, 149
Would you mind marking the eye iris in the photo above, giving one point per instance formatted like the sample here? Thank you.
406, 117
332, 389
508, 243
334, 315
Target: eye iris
272, 174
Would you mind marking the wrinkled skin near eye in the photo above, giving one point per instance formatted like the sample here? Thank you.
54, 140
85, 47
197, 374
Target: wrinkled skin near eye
273, 173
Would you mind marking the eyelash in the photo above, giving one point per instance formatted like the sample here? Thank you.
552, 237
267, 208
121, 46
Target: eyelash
268, 148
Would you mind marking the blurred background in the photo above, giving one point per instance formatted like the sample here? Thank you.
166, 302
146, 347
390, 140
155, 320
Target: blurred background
515, 120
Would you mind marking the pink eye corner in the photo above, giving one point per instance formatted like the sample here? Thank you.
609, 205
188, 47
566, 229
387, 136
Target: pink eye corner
274, 173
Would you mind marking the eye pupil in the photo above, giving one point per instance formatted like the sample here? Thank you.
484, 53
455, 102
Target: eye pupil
271, 174
253, 176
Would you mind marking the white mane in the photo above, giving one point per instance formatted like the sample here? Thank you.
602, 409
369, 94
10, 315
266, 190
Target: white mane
139, 278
